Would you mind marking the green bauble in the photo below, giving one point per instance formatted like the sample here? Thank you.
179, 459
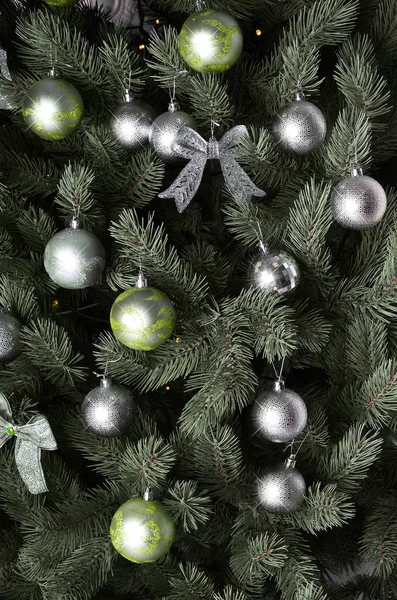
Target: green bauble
210, 41
53, 108
142, 530
142, 318
60, 3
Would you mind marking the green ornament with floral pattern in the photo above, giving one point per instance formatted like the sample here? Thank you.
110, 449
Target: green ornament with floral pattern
210, 41
142, 530
142, 318
53, 108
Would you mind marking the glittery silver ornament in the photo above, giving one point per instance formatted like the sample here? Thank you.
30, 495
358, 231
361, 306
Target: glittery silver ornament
10, 337
281, 489
53, 108
280, 413
358, 202
108, 409
193, 147
132, 122
74, 258
6, 102
300, 126
166, 129
274, 270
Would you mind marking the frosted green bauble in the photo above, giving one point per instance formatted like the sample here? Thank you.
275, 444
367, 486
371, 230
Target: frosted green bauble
53, 108
210, 41
142, 530
142, 318
60, 3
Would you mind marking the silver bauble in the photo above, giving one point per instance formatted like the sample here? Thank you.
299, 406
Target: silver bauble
275, 270
358, 202
280, 414
74, 258
10, 337
53, 108
108, 409
300, 126
281, 489
132, 122
165, 130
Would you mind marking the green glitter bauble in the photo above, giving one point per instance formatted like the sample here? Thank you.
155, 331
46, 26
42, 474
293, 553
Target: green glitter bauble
60, 3
210, 41
142, 318
142, 530
53, 108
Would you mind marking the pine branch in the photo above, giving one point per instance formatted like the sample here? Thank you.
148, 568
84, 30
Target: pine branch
192, 584
258, 556
77, 196
20, 299
323, 509
351, 458
122, 64
50, 349
188, 505
378, 544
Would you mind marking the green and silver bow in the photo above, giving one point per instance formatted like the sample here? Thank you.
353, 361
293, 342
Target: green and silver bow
31, 439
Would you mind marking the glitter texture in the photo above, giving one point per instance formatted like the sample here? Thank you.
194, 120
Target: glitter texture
300, 127
108, 411
358, 202
53, 108
30, 440
281, 489
210, 41
61, 3
137, 538
10, 342
132, 122
74, 258
280, 415
142, 318
165, 133
278, 272
192, 146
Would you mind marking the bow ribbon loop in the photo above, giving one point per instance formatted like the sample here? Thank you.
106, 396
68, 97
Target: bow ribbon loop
31, 438
191, 146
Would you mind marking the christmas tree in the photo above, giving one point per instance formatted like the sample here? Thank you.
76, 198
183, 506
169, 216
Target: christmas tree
154, 300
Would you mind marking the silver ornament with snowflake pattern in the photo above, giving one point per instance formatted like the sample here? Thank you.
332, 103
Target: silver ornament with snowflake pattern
165, 131
281, 489
300, 126
280, 413
10, 337
359, 201
108, 409
74, 258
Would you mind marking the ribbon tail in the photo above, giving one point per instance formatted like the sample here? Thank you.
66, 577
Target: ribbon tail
28, 461
240, 185
187, 183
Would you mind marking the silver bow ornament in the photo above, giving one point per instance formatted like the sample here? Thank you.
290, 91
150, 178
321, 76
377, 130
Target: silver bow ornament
190, 145
31, 439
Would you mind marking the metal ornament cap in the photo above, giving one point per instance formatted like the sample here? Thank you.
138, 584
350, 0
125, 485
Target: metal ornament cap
280, 414
358, 202
300, 127
281, 489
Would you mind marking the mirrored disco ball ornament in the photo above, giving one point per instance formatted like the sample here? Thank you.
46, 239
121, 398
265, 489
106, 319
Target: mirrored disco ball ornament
165, 130
280, 413
53, 108
300, 126
281, 489
210, 41
74, 258
132, 122
142, 530
142, 318
274, 270
10, 338
358, 202
108, 409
